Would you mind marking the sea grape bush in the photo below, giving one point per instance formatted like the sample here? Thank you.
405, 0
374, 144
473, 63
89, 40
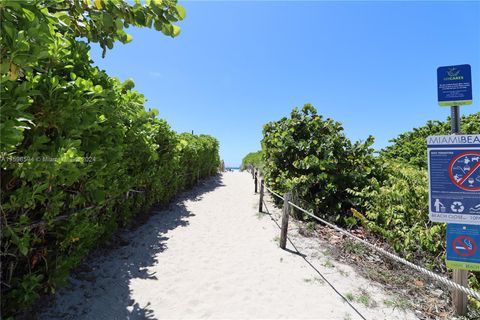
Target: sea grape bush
411, 146
312, 156
80, 156
40, 42
198, 157
254, 159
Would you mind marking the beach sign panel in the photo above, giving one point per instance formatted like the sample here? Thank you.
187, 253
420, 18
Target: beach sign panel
463, 250
454, 178
454, 84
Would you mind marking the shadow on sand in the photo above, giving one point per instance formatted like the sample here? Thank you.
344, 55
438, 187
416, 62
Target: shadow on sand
99, 288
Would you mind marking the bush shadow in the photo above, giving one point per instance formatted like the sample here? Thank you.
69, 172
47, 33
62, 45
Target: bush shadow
100, 287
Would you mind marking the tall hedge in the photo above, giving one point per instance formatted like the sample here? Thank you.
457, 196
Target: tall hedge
80, 156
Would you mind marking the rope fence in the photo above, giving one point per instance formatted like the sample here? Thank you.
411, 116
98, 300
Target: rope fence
392, 256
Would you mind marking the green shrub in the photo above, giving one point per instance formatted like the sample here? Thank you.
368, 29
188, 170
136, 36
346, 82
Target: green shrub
80, 156
397, 210
198, 157
254, 159
411, 146
312, 157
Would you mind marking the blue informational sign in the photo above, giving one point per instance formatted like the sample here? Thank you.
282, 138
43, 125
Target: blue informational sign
463, 250
454, 85
454, 178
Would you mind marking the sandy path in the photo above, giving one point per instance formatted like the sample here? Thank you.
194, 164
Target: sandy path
210, 255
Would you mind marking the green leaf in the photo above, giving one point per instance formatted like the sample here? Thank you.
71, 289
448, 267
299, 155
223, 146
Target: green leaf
41, 187
107, 20
181, 11
98, 4
140, 18
98, 88
28, 14
167, 29
99, 196
176, 31
23, 248
158, 25
119, 24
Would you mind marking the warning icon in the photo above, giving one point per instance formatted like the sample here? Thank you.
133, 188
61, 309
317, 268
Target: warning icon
464, 170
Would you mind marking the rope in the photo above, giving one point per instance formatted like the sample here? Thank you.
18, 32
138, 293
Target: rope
272, 192
429, 273
444, 280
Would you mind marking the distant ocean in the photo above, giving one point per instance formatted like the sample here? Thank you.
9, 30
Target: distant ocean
233, 168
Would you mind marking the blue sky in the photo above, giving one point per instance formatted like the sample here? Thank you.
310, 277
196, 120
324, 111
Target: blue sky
238, 65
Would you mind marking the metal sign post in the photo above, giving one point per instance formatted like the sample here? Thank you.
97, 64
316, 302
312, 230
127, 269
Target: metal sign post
460, 276
455, 119
453, 183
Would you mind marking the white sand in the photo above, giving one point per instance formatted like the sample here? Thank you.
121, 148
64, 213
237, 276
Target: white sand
211, 256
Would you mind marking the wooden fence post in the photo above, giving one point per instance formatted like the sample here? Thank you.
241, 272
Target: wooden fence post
285, 213
260, 203
460, 298
256, 182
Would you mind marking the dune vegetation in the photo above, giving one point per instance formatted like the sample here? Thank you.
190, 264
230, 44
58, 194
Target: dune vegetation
351, 184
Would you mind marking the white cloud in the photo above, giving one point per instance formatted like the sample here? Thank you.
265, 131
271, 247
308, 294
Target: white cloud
155, 74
